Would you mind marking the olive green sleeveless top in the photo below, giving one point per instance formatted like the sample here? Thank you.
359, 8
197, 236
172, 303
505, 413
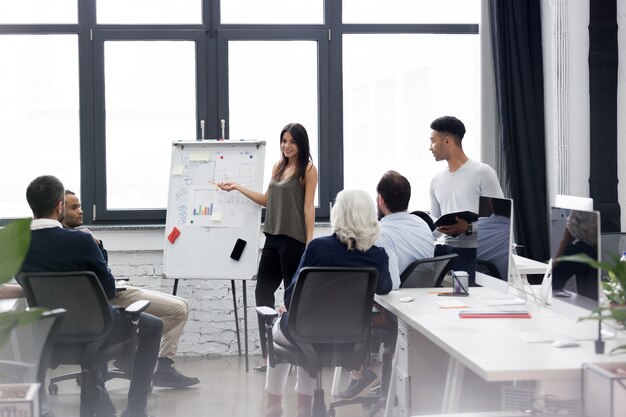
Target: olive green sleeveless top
285, 209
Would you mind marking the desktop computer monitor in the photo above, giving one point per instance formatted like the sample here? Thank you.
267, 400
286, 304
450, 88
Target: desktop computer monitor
494, 242
574, 229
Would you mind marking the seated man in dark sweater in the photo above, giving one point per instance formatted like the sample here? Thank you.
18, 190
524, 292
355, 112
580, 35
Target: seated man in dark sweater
53, 248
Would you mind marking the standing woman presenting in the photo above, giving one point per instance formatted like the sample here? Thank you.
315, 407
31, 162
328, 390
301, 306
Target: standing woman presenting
289, 217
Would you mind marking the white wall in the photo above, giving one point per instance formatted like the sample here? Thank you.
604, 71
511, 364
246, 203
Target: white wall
577, 35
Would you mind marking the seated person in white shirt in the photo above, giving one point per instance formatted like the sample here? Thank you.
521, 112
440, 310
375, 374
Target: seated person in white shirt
171, 309
406, 238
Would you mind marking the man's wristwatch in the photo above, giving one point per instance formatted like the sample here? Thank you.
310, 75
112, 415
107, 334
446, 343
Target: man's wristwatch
469, 229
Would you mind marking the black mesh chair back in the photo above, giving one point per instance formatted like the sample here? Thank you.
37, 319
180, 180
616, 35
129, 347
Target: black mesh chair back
427, 272
88, 313
330, 316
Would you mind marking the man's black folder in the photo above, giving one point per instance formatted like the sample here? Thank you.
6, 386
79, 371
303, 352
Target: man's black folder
450, 218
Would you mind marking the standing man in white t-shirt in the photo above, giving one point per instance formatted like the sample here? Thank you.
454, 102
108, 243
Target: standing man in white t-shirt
458, 188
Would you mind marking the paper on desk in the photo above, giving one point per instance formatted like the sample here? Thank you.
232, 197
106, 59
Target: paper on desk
503, 301
451, 303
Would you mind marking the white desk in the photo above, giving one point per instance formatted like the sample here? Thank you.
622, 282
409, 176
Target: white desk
438, 347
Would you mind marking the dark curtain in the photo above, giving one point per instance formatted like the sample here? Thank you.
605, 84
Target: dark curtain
603, 65
518, 65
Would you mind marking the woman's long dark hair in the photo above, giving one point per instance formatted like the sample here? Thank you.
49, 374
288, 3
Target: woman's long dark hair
298, 132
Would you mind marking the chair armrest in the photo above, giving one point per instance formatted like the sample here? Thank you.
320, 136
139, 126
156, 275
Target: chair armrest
266, 313
137, 308
266, 322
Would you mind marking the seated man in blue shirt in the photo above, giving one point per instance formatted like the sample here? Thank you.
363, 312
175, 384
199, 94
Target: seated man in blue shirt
55, 249
406, 238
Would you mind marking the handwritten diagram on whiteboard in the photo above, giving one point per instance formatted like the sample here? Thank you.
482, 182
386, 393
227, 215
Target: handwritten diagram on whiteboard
200, 203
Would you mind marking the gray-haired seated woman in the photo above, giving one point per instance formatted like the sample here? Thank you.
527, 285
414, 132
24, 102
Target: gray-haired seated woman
355, 229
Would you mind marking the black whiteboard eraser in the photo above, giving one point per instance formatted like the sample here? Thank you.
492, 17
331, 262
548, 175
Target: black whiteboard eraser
238, 249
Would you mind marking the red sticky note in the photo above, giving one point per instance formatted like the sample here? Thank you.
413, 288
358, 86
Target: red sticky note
173, 235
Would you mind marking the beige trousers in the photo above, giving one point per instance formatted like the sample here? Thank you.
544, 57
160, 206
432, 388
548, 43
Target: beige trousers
171, 309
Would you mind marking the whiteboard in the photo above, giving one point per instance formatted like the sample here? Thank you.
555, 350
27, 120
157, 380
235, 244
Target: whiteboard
203, 223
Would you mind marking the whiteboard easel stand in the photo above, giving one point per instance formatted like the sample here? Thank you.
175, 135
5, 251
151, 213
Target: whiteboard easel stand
201, 249
245, 315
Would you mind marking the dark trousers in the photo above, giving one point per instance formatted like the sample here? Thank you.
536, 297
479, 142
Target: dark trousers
279, 261
466, 260
149, 340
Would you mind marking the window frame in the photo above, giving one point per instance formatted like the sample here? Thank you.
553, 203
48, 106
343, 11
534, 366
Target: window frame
99, 210
321, 37
212, 94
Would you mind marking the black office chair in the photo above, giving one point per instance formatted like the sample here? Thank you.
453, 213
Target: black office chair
426, 217
107, 374
427, 272
82, 337
26, 356
330, 320
487, 267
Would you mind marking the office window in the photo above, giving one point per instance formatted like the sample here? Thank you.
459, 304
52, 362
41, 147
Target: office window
39, 115
38, 11
411, 11
149, 12
150, 101
394, 86
272, 83
291, 12
365, 83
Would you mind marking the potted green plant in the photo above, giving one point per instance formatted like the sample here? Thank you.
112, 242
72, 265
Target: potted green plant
14, 243
613, 286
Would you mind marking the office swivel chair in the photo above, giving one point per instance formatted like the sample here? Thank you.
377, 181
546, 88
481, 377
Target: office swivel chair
329, 319
427, 272
488, 268
81, 339
107, 374
426, 217
26, 356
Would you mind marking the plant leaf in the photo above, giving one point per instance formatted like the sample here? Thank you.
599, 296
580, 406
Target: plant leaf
14, 243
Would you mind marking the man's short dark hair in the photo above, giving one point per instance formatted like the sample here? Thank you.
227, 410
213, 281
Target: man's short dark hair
449, 124
395, 190
43, 194
69, 192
